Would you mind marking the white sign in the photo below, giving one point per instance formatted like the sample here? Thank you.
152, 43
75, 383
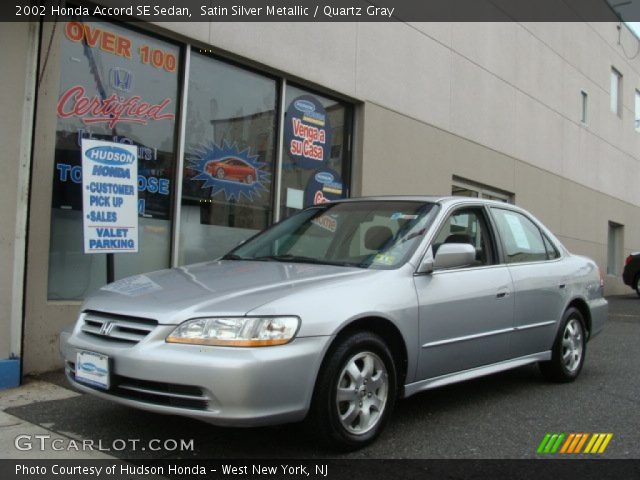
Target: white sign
109, 197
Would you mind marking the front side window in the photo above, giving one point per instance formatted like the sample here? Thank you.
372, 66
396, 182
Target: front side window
522, 239
378, 235
467, 226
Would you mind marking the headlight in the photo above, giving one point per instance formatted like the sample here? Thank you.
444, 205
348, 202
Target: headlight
236, 332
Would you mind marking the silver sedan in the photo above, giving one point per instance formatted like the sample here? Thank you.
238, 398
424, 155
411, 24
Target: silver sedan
335, 313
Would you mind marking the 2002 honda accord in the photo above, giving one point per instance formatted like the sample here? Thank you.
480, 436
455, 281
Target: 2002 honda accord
338, 311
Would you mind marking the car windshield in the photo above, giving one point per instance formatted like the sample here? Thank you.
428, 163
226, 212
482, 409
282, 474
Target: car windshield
366, 234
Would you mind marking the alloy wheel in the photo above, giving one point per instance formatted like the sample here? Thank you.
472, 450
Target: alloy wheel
361, 396
572, 345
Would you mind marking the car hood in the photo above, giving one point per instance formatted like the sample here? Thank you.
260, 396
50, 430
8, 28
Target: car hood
225, 287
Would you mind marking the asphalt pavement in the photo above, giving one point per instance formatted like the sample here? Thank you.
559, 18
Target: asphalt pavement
500, 416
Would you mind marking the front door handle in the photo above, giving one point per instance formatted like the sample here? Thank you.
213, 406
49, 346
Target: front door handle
502, 294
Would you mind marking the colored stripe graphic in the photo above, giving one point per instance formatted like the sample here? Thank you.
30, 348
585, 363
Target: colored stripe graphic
598, 443
550, 443
573, 443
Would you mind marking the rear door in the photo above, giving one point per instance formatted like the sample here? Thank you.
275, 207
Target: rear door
466, 314
539, 281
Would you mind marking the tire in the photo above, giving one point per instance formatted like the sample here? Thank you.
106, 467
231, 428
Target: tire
355, 392
637, 284
220, 173
569, 349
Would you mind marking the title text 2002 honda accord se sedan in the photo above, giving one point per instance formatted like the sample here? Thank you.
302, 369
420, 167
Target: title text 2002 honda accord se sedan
338, 311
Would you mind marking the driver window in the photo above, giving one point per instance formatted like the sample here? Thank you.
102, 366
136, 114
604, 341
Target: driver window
467, 226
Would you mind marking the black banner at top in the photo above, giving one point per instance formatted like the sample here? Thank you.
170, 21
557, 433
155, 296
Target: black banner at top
328, 10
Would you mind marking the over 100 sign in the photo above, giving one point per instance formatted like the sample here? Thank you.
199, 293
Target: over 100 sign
109, 197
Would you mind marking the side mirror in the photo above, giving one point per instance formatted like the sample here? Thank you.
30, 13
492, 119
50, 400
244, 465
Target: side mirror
454, 255
450, 255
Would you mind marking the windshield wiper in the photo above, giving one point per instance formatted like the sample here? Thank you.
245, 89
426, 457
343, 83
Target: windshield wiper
302, 259
233, 256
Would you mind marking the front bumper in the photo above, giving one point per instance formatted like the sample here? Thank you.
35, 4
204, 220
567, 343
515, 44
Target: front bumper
221, 385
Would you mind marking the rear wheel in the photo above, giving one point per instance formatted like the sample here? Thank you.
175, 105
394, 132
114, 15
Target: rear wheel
355, 392
569, 349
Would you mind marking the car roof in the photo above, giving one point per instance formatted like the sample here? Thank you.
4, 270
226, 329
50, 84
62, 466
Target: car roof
444, 200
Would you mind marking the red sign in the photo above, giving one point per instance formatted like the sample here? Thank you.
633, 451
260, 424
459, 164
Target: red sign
112, 110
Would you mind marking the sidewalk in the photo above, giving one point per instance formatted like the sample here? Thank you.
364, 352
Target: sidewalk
33, 391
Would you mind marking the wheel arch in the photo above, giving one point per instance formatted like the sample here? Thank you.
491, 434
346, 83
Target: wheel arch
581, 305
386, 330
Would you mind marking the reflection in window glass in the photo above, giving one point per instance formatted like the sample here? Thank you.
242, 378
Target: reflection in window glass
122, 74
522, 239
315, 163
230, 148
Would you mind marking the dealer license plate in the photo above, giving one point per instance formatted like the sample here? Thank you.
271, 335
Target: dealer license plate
92, 369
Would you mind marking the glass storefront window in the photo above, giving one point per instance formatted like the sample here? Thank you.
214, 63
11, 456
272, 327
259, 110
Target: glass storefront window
230, 150
122, 86
316, 160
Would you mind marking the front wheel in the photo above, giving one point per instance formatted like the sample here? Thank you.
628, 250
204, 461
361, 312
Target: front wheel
569, 349
355, 392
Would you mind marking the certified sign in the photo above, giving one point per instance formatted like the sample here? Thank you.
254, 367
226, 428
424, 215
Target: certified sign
109, 197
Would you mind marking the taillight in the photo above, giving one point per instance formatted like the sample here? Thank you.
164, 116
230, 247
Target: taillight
628, 260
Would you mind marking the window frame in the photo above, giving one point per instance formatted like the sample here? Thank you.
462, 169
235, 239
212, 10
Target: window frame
483, 191
636, 119
617, 75
495, 247
584, 107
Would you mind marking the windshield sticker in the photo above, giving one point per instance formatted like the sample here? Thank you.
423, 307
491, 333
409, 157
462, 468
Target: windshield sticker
402, 216
133, 286
228, 170
327, 222
384, 259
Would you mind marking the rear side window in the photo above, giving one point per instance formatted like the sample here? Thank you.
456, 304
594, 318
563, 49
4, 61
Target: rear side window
552, 252
522, 239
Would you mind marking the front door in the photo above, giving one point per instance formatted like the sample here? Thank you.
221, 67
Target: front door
466, 314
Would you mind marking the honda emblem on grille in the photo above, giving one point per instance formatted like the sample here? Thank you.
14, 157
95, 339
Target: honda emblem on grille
106, 328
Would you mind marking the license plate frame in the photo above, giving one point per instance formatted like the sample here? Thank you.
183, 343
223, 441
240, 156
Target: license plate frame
93, 369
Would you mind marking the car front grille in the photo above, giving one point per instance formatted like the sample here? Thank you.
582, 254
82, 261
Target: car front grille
156, 393
117, 328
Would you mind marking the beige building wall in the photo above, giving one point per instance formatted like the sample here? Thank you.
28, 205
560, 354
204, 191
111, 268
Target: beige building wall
18, 58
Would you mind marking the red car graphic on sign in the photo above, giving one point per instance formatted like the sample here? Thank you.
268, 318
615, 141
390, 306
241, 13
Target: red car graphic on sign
232, 168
